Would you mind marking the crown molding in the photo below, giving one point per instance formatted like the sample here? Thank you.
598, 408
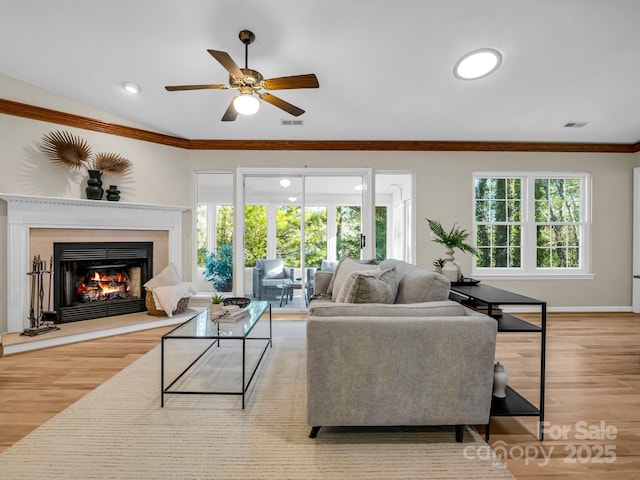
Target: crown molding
24, 110
408, 146
33, 112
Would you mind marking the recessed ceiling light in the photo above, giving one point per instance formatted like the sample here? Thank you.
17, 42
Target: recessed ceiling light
358, 187
477, 64
285, 182
292, 199
131, 87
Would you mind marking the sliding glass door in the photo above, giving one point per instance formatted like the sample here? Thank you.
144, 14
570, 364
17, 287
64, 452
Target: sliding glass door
297, 221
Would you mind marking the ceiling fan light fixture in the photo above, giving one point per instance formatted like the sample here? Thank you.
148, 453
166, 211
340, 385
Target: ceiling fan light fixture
478, 64
246, 103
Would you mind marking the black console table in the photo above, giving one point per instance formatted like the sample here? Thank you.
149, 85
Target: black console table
488, 299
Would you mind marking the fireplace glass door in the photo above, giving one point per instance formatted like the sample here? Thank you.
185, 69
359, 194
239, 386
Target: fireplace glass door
100, 279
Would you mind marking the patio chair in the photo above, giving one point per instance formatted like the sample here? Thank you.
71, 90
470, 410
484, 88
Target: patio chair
268, 274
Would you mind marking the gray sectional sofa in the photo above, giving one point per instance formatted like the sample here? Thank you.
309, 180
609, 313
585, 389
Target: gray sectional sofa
419, 359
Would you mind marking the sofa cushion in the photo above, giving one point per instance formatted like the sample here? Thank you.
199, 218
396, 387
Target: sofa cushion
370, 286
446, 308
402, 267
420, 285
343, 269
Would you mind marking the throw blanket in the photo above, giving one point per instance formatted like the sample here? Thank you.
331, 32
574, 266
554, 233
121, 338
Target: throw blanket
167, 297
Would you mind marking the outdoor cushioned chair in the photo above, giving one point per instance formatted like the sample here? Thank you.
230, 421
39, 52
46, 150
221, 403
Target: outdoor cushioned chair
326, 266
268, 274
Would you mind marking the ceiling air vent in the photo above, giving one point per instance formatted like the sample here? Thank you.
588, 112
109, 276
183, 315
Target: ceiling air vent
575, 124
292, 123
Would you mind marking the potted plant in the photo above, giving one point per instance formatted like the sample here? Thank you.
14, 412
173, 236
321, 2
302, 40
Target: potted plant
218, 268
438, 263
454, 238
216, 303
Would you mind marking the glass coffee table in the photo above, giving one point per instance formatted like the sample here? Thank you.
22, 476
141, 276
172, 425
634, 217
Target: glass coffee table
201, 327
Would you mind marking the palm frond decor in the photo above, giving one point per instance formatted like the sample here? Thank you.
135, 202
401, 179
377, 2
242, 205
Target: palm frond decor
66, 149
455, 238
111, 164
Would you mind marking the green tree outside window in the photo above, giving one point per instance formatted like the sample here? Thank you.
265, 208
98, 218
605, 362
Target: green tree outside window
557, 224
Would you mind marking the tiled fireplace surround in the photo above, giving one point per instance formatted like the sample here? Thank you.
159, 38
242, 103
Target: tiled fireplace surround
33, 224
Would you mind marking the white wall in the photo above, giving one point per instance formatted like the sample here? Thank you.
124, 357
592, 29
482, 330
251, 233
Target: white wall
164, 175
444, 191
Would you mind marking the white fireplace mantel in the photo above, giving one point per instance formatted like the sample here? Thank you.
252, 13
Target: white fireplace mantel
26, 212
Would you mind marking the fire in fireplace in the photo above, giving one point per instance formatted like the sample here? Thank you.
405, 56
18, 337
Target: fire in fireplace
100, 279
100, 285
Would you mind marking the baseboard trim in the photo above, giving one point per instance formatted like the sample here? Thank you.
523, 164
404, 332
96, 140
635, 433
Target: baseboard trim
582, 309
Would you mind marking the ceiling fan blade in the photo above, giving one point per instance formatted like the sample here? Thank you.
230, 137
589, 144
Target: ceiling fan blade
227, 62
296, 81
231, 114
278, 102
173, 88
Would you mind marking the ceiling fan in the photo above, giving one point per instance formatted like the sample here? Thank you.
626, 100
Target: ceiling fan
249, 82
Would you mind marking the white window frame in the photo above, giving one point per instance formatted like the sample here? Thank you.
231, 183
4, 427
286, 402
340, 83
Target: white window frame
528, 269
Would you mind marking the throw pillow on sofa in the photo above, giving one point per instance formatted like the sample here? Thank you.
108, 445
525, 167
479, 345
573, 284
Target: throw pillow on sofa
348, 282
369, 286
343, 269
419, 285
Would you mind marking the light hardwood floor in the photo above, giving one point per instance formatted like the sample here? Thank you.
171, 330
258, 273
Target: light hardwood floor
593, 386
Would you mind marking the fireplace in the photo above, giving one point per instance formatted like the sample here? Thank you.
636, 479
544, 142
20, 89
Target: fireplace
32, 225
100, 279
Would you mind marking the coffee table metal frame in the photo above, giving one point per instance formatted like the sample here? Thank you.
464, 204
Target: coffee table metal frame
201, 327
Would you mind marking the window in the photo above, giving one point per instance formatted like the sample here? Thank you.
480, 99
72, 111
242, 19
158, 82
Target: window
531, 224
381, 232
214, 231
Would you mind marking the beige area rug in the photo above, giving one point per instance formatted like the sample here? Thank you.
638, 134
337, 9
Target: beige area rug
119, 431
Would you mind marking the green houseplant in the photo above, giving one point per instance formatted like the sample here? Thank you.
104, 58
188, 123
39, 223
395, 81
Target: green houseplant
217, 299
218, 268
216, 303
438, 263
452, 239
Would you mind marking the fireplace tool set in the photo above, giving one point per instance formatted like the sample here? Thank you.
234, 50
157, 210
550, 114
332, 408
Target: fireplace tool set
42, 321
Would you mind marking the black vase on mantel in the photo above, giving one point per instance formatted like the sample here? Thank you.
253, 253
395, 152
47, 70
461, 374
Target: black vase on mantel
94, 188
113, 194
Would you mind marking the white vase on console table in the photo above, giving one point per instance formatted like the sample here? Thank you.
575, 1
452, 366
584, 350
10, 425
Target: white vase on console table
450, 269
500, 381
